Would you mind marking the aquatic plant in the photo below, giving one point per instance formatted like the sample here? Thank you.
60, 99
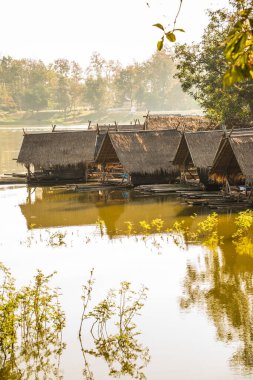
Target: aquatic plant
157, 224
100, 223
31, 325
207, 232
114, 332
242, 237
146, 227
130, 228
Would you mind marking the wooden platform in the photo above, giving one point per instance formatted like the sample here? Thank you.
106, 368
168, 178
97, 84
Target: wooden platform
217, 201
10, 180
166, 189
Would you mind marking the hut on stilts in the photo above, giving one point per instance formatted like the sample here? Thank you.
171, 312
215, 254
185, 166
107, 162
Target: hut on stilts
58, 156
195, 156
145, 157
233, 164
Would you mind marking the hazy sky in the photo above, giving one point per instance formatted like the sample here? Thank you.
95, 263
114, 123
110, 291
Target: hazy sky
73, 29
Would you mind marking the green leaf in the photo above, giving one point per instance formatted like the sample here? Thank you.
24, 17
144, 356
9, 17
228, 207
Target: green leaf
179, 30
160, 45
171, 37
159, 26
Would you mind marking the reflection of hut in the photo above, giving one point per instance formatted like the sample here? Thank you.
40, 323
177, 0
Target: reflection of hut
58, 155
234, 159
56, 208
197, 151
145, 155
186, 123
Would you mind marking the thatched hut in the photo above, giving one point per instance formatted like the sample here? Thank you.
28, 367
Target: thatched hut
146, 156
180, 122
197, 151
58, 155
234, 160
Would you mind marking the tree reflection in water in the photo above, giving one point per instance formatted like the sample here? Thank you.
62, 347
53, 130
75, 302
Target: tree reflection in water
114, 332
226, 293
31, 324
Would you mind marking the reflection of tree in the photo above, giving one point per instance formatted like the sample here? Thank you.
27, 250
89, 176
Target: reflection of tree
227, 296
114, 333
31, 324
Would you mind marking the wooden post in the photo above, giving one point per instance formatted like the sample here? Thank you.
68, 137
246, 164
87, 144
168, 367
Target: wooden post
28, 171
227, 187
85, 172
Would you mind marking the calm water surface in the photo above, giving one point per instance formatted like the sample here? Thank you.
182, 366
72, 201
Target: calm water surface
196, 322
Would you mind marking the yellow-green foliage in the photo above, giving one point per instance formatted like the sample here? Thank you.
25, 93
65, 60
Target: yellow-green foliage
179, 232
114, 331
130, 228
242, 237
146, 227
31, 324
207, 232
157, 224
101, 225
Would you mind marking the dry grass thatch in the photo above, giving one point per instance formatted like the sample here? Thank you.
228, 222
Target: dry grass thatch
119, 127
143, 152
234, 158
183, 123
58, 148
198, 149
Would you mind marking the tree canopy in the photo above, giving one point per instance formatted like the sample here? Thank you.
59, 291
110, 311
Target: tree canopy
201, 69
30, 85
237, 41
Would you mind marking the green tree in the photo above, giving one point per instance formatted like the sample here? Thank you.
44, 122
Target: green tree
100, 74
238, 41
201, 68
62, 68
75, 85
96, 93
130, 86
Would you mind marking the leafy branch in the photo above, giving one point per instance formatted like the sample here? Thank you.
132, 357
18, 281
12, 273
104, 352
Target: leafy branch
170, 34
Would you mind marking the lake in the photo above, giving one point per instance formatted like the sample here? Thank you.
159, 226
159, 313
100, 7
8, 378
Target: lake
178, 310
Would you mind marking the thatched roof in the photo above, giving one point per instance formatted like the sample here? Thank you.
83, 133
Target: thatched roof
120, 127
235, 156
141, 152
58, 148
183, 123
99, 142
198, 148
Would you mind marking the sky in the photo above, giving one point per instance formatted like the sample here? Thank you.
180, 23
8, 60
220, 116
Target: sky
74, 29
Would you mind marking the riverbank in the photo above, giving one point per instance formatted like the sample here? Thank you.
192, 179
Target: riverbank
78, 117
49, 117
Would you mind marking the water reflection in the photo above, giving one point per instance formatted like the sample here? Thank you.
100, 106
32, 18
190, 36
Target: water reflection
31, 324
222, 285
114, 331
61, 207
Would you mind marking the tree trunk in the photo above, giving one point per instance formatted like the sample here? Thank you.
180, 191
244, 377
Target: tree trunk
251, 108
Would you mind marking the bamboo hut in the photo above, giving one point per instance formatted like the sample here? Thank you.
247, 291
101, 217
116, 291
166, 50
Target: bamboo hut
196, 153
145, 156
58, 155
233, 163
